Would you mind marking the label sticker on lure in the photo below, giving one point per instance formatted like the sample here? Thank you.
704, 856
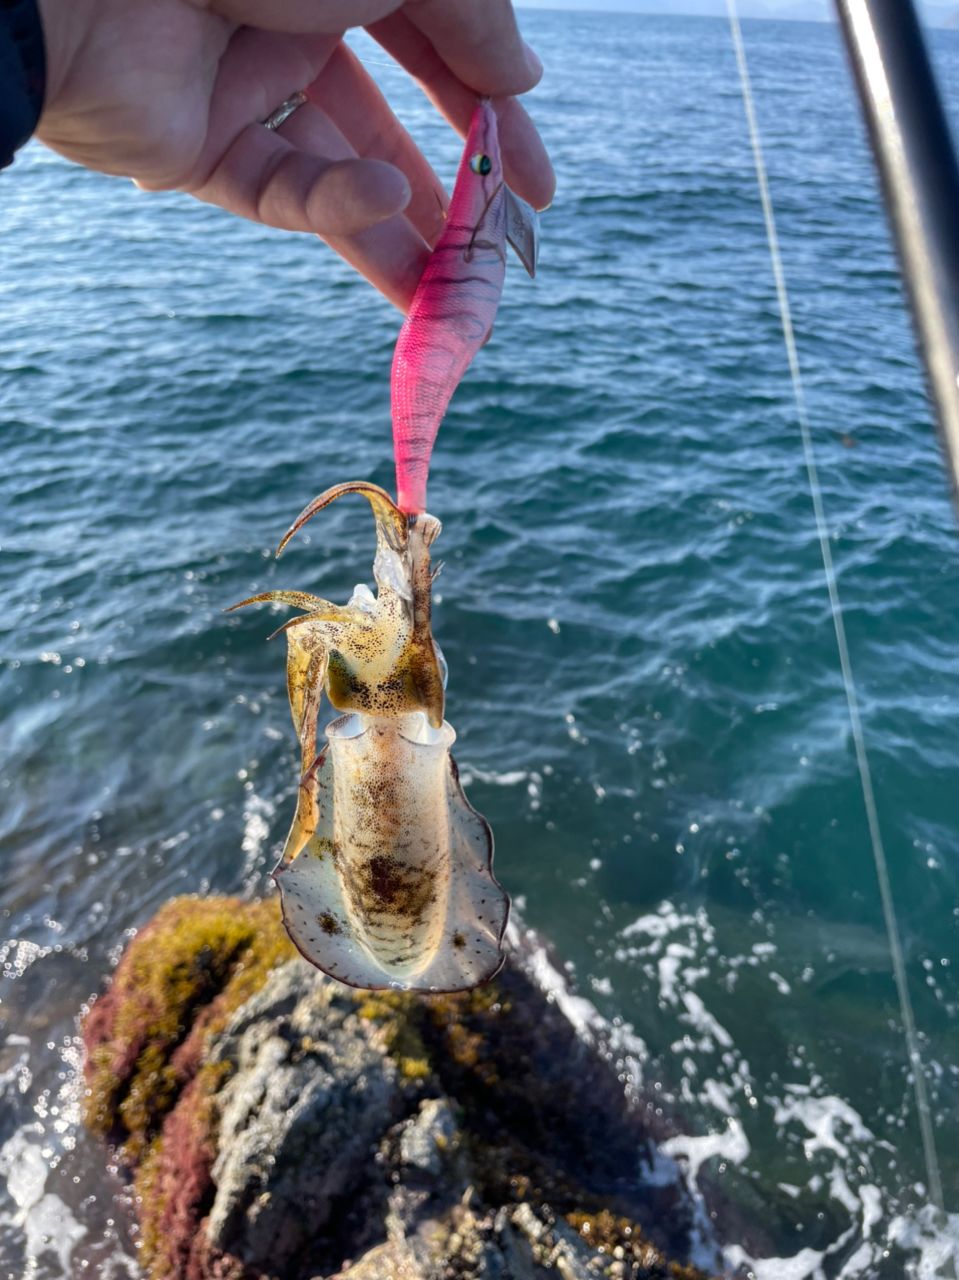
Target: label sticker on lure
386, 878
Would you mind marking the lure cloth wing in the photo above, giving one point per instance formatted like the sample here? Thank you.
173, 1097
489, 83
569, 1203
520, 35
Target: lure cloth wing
386, 878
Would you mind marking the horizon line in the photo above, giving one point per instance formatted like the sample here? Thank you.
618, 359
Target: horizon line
943, 18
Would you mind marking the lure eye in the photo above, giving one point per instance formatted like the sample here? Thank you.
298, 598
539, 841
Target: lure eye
480, 163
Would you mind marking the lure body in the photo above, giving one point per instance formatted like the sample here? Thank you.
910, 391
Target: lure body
386, 878
453, 309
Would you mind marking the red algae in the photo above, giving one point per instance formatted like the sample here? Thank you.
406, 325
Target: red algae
178, 982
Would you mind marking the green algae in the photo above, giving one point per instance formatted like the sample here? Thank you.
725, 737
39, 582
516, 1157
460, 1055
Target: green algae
393, 1011
623, 1241
179, 982
418, 1029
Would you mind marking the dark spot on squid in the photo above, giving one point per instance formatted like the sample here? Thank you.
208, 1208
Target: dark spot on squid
329, 923
407, 895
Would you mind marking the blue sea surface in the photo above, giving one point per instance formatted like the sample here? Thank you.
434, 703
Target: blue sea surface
643, 670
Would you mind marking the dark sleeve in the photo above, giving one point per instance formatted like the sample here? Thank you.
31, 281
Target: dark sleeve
23, 74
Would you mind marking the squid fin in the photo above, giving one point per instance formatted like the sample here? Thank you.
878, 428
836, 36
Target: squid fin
472, 949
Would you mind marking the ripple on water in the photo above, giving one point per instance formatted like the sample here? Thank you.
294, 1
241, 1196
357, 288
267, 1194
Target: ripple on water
643, 672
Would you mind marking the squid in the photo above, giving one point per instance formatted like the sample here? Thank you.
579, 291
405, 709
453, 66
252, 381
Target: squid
386, 879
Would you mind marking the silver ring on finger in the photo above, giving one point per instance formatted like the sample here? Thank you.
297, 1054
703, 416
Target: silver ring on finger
284, 111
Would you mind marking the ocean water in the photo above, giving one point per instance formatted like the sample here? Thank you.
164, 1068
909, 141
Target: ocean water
644, 676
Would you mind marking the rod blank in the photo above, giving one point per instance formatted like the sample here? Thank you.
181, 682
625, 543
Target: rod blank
920, 181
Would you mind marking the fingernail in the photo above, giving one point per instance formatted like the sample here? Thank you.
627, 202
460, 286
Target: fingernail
533, 62
394, 191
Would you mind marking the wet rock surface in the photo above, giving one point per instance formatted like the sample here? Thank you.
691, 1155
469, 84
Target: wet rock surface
298, 1117
304, 1131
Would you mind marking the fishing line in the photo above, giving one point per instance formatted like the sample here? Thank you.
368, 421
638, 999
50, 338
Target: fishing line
865, 774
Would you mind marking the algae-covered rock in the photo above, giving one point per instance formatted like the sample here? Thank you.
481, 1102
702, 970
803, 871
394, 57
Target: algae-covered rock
186, 972
279, 1125
151, 1082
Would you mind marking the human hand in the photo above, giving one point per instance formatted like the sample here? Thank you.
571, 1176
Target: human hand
171, 93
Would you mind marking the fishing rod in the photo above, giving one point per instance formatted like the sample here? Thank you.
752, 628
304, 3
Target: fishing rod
916, 158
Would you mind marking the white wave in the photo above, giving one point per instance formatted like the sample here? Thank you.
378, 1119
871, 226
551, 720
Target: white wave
258, 815
18, 954
821, 1115
511, 778
934, 1240
804, 1265
729, 1144
46, 1222
37, 1223
819, 1131
470, 773
585, 1018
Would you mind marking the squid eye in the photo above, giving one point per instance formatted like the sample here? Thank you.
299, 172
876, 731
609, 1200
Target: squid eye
480, 163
